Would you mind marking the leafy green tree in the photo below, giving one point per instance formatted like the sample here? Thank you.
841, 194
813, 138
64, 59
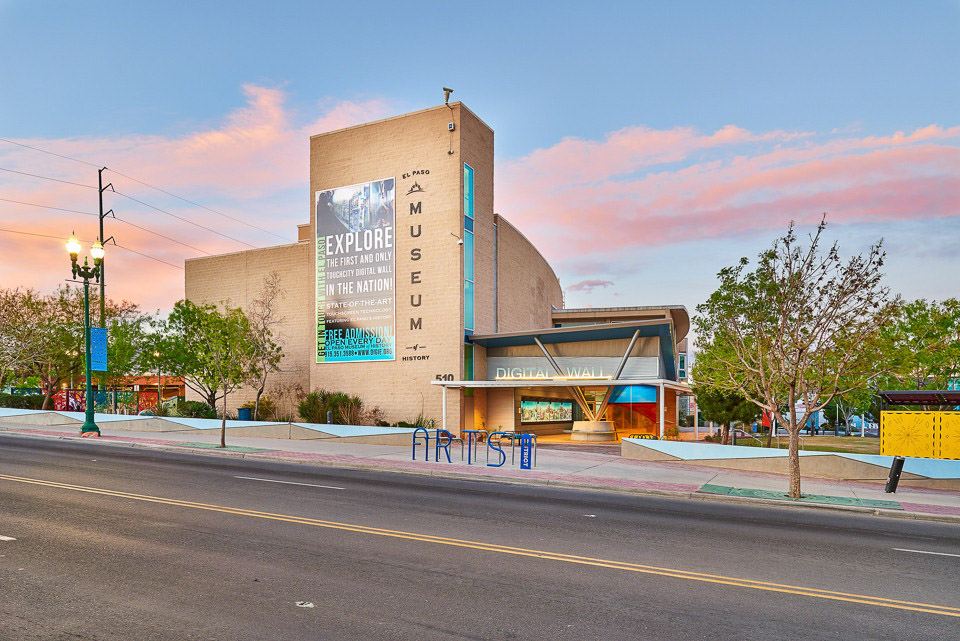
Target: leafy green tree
127, 343
725, 407
799, 330
21, 327
924, 340
62, 351
212, 349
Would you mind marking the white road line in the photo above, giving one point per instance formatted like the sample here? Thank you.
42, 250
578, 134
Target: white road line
6, 538
926, 552
326, 487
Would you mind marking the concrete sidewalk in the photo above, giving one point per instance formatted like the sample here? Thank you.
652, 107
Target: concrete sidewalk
566, 467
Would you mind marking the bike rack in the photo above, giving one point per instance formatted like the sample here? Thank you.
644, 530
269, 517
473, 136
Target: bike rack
443, 439
426, 443
472, 443
494, 440
446, 446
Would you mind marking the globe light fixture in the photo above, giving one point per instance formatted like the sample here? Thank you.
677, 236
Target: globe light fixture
73, 247
97, 252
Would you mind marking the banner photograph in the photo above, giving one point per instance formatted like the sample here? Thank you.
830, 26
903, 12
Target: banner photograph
545, 411
356, 289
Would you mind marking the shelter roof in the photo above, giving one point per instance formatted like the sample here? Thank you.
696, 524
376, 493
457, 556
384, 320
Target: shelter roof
921, 397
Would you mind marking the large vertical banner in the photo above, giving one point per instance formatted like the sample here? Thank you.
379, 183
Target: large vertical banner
356, 287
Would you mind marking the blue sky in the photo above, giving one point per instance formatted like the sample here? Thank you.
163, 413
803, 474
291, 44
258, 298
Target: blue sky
805, 85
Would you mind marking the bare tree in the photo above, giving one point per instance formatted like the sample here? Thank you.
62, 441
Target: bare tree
796, 332
265, 320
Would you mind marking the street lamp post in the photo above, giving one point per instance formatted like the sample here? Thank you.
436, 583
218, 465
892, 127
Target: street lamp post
86, 272
159, 384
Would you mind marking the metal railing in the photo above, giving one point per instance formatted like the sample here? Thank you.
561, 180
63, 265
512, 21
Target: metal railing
788, 443
739, 431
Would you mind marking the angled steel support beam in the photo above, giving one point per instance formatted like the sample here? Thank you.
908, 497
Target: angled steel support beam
552, 362
623, 363
576, 391
626, 355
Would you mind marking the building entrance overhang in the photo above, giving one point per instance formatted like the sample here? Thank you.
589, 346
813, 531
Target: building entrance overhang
661, 329
576, 387
681, 388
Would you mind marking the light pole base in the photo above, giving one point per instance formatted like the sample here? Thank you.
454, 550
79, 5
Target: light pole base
89, 432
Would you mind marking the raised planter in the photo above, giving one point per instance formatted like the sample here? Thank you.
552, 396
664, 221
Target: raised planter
594, 431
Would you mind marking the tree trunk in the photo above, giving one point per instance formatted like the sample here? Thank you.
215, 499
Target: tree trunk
256, 405
212, 399
46, 397
223, 422
725, 439
794, 451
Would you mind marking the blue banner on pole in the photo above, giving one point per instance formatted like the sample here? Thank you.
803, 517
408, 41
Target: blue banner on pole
98, 349
526, 451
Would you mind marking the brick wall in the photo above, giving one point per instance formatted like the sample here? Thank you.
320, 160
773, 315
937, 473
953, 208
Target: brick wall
236, 279
527, 285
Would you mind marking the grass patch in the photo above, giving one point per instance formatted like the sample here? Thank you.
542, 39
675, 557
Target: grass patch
806, 498
839, 444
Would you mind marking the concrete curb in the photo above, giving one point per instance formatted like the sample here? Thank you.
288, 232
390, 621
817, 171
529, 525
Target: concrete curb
510, 480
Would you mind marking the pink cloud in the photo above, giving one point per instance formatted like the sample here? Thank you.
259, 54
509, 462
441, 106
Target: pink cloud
639, 188
246, 166
589, 285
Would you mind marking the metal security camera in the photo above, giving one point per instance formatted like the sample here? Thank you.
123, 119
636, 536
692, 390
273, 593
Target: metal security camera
446, 94
459, 241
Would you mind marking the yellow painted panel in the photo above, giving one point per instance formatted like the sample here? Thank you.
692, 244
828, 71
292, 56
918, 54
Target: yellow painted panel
908, 434
949, 435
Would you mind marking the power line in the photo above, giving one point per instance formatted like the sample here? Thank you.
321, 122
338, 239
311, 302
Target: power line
72, 211
189, 222
146, 184
179, 242
134, 251
67, 182
126, 222
145, 204
186, 200
159, 260
44, 151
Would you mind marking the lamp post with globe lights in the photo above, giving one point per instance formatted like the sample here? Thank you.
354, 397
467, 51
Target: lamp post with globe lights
86, 272
156, 356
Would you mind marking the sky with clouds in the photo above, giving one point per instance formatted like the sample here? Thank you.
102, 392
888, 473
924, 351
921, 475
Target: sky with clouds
641, 146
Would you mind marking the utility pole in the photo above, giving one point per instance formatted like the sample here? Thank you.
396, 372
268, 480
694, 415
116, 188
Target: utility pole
103, 295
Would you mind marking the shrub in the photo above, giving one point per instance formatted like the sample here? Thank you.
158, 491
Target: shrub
345, 409
195, 409
313, 407
267, 410
25, 402
419, 421
163, 409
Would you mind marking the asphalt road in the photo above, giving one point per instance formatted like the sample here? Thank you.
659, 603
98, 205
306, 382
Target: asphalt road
132, 544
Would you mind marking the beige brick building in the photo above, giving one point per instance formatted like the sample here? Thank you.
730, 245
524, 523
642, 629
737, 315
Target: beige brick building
404, 282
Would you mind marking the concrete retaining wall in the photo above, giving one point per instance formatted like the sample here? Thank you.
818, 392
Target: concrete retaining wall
849, 467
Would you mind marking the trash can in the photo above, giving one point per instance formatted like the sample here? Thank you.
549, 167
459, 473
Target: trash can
245, 414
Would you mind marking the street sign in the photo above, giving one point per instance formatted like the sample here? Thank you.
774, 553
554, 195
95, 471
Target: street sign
98, 349
526, 451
